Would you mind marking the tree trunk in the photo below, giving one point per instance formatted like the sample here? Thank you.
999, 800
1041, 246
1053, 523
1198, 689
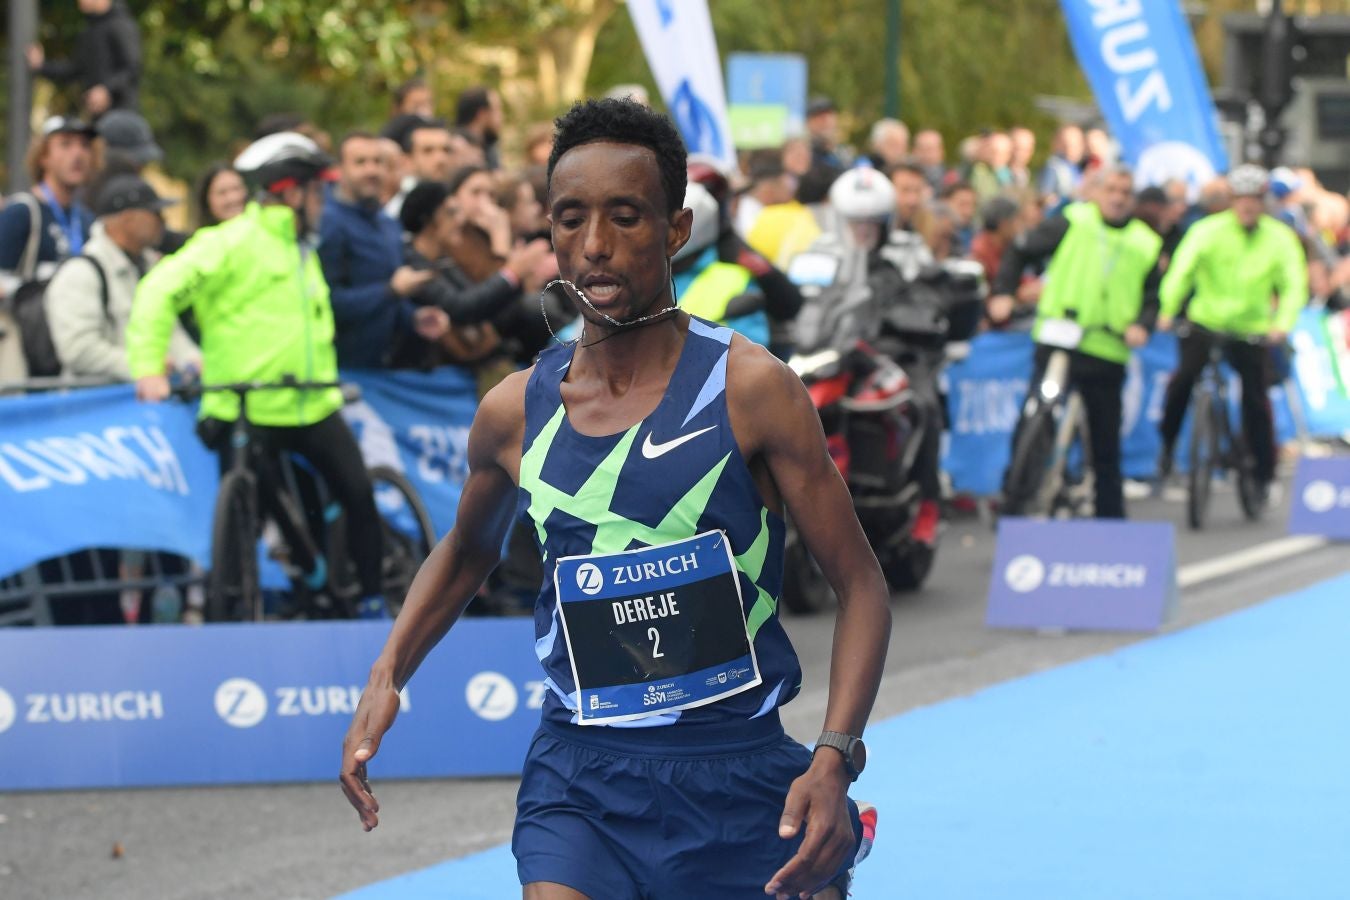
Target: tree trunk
565, 54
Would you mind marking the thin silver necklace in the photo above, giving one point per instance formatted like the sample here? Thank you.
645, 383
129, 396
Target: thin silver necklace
618, 325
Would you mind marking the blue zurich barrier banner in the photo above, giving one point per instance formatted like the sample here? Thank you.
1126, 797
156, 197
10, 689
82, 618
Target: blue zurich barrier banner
254, 703
418, 424
1141, 61
1321, 498
95, 468
1089, 575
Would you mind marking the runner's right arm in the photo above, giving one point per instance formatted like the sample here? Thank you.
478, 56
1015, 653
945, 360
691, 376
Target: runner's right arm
445, 584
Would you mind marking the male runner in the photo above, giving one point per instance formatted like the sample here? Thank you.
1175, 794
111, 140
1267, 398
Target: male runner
661, 769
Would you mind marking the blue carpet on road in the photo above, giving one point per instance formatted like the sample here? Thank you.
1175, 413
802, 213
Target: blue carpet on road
1209, 763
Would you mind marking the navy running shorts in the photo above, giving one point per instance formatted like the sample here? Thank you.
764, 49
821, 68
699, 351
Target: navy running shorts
644, 814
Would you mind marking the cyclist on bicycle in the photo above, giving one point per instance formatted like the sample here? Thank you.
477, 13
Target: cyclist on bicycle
1236, 262
1103, 274
259, 296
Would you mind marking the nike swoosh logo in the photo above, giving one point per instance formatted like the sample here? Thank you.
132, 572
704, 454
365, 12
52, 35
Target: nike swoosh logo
653, 451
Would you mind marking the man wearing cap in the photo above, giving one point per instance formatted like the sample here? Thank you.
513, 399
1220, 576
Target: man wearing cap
106, 61
126, 146
89, 299
58, 163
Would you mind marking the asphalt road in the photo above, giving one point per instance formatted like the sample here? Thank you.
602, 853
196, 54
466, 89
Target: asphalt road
302, 841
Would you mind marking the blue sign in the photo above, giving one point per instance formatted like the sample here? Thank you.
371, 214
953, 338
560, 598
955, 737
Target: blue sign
226, 704
1321, 500
984, 399
769, 79
95, 468
1096, 575
1141, 61
418, 424
656, 629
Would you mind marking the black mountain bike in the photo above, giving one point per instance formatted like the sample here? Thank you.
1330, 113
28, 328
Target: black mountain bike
1051, 472
312, 526
1217, 446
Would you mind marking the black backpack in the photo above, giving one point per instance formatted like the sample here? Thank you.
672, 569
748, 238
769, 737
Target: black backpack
30, 311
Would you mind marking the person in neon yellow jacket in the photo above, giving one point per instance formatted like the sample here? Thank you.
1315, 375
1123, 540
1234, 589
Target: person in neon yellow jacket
256, 287
1237, 263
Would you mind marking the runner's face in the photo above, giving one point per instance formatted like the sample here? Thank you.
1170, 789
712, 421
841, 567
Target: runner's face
611, 232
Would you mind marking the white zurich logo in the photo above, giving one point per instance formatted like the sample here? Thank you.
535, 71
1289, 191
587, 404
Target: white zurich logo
1024, 574
241, 703
589, 579
6, 711
1320, 496
491, 696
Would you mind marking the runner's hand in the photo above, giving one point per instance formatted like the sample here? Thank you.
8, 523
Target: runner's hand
820, 797
374, 716
152, 388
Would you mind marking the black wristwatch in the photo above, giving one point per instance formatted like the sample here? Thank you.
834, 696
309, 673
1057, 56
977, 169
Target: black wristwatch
851, 748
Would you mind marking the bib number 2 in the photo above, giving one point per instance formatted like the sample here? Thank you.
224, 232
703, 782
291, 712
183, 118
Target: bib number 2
656, 643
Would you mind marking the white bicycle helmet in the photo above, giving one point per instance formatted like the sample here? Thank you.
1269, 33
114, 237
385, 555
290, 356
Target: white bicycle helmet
1248, 180
283, 159
863, 195
707, 221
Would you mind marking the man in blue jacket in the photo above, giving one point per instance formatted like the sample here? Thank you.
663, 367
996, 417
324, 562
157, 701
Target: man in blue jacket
361, 250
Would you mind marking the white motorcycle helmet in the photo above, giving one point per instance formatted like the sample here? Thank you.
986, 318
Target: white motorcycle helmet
863, 199
707, 221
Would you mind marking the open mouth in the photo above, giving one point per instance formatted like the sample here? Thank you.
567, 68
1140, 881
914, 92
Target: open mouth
599, 289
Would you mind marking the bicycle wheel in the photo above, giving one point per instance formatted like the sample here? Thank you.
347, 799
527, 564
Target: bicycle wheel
1030, 462
408, 532
232, 587
805, 589
1204, 453
1248, 489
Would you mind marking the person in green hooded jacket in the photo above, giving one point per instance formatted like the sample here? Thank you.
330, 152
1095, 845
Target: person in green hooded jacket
256, 288
1102, 279
1237, 263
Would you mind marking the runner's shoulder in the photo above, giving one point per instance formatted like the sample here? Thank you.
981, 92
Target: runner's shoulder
762, 392
500, 419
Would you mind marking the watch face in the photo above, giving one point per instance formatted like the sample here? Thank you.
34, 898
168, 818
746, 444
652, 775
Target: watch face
859, 755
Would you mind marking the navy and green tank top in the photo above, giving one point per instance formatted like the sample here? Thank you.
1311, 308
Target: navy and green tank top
676, 474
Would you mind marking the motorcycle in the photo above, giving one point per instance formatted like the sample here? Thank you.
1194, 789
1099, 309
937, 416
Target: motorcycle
871, 343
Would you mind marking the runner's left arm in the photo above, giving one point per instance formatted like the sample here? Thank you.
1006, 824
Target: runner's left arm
776, 422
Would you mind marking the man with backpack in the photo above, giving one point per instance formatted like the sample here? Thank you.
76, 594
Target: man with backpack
38, 230
88, 301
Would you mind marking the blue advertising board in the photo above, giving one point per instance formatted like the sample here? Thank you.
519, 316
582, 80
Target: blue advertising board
1321, 498
94, 468
177, 705
769, 79
1096, 575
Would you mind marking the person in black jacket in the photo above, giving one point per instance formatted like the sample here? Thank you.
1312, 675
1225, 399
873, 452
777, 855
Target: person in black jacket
106, 61
433, 224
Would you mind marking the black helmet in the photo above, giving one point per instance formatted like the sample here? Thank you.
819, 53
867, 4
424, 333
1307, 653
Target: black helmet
278, 161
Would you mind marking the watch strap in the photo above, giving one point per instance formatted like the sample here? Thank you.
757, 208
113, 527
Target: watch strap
843, 743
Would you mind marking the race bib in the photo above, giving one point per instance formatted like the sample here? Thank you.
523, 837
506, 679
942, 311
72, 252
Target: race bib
1063, 333
655, 630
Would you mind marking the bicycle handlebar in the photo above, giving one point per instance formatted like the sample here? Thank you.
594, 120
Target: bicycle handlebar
350, 392
1183, 329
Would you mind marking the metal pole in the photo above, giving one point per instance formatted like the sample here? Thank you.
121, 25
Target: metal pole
893, 59
22, 32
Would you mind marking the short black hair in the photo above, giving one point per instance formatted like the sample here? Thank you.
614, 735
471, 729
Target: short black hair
422, 125
421, 204
814, 186
356, 134
906, 165
275, 123
955, 188
471, 102
623, 121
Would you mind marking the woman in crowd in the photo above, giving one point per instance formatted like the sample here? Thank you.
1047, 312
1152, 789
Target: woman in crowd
220, 195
